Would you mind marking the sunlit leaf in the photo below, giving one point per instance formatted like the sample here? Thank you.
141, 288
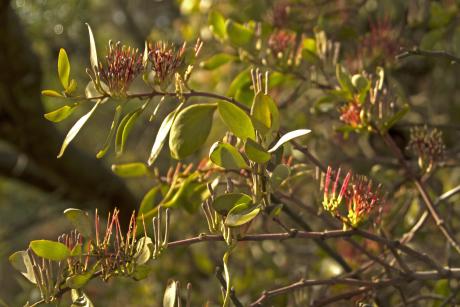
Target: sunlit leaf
256, 152
148, 201
237, 120
93, 51
76, 128
62, 113
135, 169
238, 34
241, 214
63, 68
162, 135
50, 249
217, 60
78, 281
125, 127
261, 113
143, 250
21, 261
113, 127
227, 156
170, 295
217, 24
288, 137
79, 299
190, 130
51, 93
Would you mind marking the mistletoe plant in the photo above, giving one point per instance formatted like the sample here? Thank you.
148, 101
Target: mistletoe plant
246, 177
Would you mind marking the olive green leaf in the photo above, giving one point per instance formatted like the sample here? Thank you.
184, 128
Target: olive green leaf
62, 113
190, 130
236, 120
80, 220
226, 202
241, 214
261, 113
79, 280
51, 93
50, 249
21, 261
217, 25
135, 169
227, 156
217, 60
113, 127
256, 152
279, 174
238, 34
93, 51
125, 127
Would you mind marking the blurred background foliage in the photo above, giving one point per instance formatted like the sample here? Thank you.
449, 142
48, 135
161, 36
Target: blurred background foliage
370, 33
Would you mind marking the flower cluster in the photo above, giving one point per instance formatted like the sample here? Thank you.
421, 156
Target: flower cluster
281, 42
381, 41
357, 192
351, 114
165, 59
427, 145
123, 64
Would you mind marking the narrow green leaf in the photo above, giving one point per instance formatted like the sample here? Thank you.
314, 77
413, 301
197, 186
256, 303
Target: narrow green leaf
227, 156
288, 137
21, 261
76, 128
344, 79
60, 114
261, 113
238, 34
226, 202
51, 93
113, 127
237, 120
72, 87
148, 201
241, 214
217, 60
396, 117
63, 68
190, 130
162, 134
217, 25
256, 152
93, 51
241, 80
135, 169
80, 220
50, 249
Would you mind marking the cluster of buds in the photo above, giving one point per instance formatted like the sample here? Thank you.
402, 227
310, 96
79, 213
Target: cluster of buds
428, 146
352, 114
357, 192
123, 65
282, 43
166, 60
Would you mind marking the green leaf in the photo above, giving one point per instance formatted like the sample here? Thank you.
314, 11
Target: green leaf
80, 220
148, 201
72, 87
113, 127
190, 195
143, 250
242, 79
190, 130
288, 137
91, 91
241, 214
51, 93
21, 261
344, 79
76, 128
135, 169
217, 25
50, 249
261, 115
227, 156
162, 134
125, 127
141, 271
279, 174
78, 281
236, 120
238, 34
226, 202
217, 60
396, 117
93, 51
171, 292
362, 85
60, 114
256, 152
63, 68
79, 299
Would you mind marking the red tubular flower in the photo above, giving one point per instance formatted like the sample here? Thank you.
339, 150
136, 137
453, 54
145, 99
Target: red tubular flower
362, 199
331, 202
351, 114
123, 65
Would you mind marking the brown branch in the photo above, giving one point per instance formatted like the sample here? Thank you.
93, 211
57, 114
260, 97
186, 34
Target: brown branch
432, 53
